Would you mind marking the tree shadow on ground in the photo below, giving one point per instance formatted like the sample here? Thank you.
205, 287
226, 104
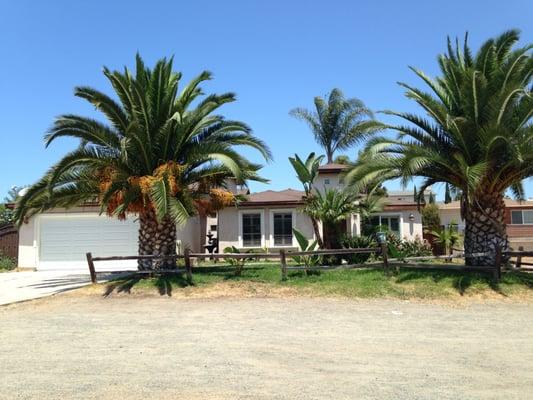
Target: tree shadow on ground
462, 281
163, 282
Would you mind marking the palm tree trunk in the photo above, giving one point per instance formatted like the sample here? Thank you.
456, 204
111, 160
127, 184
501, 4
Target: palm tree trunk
318, 236
156, 238
485, 228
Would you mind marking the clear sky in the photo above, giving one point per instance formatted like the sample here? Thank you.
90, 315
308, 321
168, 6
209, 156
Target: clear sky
274, 54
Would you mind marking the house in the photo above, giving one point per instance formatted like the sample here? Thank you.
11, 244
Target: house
267, 218
60, 238
518, 218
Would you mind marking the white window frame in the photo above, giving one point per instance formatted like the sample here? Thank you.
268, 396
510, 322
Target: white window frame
400, 217
271, 225
523, 217
262, 219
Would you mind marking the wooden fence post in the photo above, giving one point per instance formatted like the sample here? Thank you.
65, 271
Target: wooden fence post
519, 258
384, 251
283, 261
498, 264
92, 271
188, 265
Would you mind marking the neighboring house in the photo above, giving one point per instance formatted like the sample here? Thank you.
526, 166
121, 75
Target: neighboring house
267, 218
518, 217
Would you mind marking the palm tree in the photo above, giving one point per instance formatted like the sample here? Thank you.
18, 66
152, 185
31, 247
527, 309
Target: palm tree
447, 237
332, 208
307, 171
158, 156
338, 123
476, 136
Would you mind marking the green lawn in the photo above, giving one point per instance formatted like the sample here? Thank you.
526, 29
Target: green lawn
361, 283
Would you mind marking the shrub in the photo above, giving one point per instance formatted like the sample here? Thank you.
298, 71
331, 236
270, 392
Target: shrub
305, 245
401, 248
238, 263
7, 263
354, 242
430, 217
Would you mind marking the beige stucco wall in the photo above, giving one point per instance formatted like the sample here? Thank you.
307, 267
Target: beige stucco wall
334, 182
188, 235
229, 220
448, 216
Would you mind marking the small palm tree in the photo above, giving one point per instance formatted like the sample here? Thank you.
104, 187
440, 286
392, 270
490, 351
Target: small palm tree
307, 171
158, 157
447, 238
332, 208
477, 136
338, 123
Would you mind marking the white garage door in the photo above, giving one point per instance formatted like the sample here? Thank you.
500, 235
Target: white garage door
64, 240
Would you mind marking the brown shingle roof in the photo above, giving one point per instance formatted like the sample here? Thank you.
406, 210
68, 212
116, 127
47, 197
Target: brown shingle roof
332, 168
287, 196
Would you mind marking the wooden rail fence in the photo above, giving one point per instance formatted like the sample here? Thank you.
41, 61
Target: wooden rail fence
282, 256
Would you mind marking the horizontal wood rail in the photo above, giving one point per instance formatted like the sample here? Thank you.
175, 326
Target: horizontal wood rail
333, 252
239, 256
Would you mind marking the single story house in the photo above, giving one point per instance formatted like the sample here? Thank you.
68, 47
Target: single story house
60, 238
518, 218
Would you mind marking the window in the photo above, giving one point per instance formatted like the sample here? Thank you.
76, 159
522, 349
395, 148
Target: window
282, 229
392, 223
326, 181
213, 228
251, 230
522, 217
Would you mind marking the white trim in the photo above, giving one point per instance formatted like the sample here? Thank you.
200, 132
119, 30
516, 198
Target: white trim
261, 212
271, 226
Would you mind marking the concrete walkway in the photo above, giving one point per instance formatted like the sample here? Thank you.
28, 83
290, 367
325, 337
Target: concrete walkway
28, 285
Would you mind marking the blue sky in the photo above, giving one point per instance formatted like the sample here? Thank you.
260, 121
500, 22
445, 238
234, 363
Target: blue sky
276, 55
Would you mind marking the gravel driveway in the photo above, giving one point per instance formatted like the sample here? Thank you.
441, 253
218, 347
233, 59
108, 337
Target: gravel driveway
76, 347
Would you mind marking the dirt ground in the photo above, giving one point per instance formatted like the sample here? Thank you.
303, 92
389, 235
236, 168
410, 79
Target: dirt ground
89, 347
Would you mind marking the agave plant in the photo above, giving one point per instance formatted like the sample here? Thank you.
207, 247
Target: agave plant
476, 136
159, 156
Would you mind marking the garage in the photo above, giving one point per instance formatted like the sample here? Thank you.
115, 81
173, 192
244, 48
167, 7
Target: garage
64, 239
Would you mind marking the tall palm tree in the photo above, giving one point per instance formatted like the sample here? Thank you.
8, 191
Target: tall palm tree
159, 156
477, 136
307, 171
338, 123
332, 208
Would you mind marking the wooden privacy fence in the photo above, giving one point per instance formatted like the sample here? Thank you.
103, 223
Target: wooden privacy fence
9, 241
384, 263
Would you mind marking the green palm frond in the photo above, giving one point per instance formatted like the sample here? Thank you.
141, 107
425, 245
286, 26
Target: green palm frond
475, 133
153, 125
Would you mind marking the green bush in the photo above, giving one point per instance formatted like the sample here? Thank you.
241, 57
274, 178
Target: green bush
354, 242
401, 248
7, 263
